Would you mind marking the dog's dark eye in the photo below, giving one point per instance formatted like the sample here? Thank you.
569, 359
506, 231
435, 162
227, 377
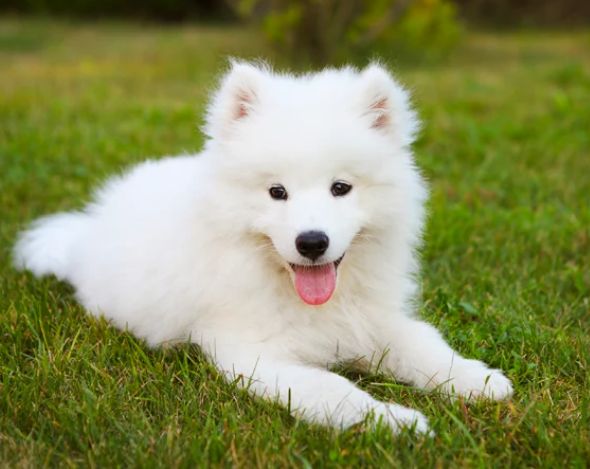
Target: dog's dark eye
278, 192
340, 188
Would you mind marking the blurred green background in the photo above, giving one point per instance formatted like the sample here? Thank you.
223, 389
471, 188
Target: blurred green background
88, 88
329, 31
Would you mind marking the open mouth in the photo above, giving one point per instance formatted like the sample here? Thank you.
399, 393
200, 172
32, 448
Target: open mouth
315, 284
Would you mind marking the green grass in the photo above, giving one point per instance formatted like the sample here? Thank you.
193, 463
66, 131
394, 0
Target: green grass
506, 147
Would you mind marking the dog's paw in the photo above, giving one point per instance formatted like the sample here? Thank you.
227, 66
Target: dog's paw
473, 379
398, 417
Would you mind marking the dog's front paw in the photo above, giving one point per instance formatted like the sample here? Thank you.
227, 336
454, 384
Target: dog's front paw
473, 379
398, 417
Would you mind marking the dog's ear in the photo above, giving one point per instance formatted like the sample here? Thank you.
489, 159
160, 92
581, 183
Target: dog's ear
236, 98
387, 105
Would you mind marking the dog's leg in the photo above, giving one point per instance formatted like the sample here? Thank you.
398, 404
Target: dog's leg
416, 353
314, 394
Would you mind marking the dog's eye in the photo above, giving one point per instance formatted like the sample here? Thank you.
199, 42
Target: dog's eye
340, 188
278, 192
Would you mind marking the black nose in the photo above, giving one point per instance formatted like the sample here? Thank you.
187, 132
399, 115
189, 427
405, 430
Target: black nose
312, 244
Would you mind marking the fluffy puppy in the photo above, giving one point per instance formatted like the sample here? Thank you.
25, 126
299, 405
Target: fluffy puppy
285, 247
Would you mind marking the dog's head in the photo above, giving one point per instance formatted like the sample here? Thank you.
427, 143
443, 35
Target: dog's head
317, 164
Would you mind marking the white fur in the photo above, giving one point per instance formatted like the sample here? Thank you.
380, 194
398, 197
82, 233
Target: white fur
194, 248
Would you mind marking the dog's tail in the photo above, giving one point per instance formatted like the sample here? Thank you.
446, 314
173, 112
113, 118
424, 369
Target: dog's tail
45, 247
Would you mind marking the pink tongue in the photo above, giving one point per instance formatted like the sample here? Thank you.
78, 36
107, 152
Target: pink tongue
315, 284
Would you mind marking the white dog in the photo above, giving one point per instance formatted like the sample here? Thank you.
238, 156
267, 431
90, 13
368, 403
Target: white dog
285, 247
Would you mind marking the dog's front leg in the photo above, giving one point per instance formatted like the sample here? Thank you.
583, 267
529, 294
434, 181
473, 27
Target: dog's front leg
416, 353
313, 394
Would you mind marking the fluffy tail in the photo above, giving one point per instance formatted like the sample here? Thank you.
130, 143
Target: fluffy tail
44, 248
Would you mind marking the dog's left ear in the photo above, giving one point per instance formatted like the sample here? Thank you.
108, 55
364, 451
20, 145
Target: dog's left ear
386, 104
236, 98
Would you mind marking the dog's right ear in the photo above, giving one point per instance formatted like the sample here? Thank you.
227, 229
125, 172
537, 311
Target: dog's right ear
235, 99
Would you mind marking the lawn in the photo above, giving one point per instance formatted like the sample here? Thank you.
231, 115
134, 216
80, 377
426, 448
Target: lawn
506, 148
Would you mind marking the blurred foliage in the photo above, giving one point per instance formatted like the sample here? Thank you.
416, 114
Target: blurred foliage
319, 32
162, 10
328, 31
496, 12
525, 12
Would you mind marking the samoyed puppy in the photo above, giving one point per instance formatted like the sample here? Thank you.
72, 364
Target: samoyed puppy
285, 247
